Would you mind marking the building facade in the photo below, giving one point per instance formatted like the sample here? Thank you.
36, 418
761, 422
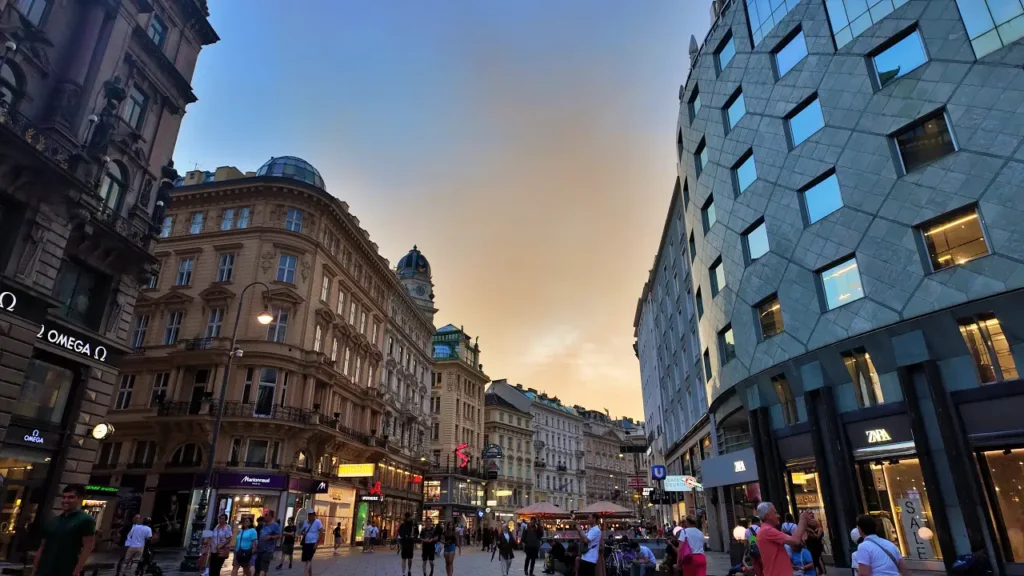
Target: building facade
512, 430
850, 174
316, 411
91, 98
455, 484
608, 470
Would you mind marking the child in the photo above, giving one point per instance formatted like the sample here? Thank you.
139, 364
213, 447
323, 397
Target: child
803, 563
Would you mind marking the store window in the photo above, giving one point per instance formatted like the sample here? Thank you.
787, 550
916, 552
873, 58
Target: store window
989, 349
866, 385
895, 495
955, 239
1002, 471
807, 496
44, 392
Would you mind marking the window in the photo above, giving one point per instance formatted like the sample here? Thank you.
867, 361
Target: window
679, 144
197, 223
225, 267
763, 17
347, 363
701, 156
924, 141
686, 195
700, 305
139, 330
362, 323
157, 31
341, 301
790, 53
286, 268
243, 218
897, 59
841, 283
955, 239
822, 197
173, 326
184, 277
278, 328
769, 315
726, 345
110, 454
786, 400
112, 185
745, 172
694, 109
352, 312
325, 288
227, 219
707, 366
133, 111
693, 248
32, 10
726, 50
435, 433
707, 214
850, 18
318, 338
166, 227
82, 294
988, 346
144, 453
735, 108
1003, 486
10, 87
756, 241
161, 384
213, 323
717, 274
804, 121
293, 221
866, 386
992, 24
124, 392
256, 453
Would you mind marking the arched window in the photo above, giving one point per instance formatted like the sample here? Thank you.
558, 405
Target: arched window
112, 185
187, 455
302, 461
10, 86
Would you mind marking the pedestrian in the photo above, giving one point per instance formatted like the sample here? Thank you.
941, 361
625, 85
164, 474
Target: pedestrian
337, 538
287, 543
310, 538
407, 543
429, 536
591, 545
752, 551
68, 538
220, 544
800, 557
135, 543
269, 536
451, 542
644, 558
814, 542
788, 526
506, 543
877, 556
771, 542
696, 564
369, 539
485, 539
532, 538
245, 547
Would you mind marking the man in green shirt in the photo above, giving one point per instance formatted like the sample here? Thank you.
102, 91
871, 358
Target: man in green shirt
67, 539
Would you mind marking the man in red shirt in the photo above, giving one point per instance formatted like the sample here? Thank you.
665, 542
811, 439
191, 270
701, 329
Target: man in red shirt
771, 542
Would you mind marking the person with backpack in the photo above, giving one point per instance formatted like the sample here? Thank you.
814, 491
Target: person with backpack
407, 543
752, 551
788, 526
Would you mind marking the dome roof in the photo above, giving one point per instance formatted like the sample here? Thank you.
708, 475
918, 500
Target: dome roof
294, 168
412, 264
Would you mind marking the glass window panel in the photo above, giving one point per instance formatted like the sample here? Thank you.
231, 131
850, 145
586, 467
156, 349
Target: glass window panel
1012, 30
764, 15
976, 16
1002, 348
900, 59
895, 494
736, 110
925, 142
823, 199
787, 402
805, 122
717, 272
955, 240
695, 104
726, 53
746, 173
791, 53
841, 284
769, 314
1006, 468
708, 213
757, 241
867, 387
837, 14
727, 343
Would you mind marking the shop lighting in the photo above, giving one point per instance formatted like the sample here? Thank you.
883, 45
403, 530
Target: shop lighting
956, 222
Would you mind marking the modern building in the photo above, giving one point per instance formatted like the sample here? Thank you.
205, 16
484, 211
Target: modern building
559, 470
851, 174
454, 488
511, 429
325, 397
608, 470
668, 348
91, 98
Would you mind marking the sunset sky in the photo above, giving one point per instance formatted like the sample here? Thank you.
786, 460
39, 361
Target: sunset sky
526, 146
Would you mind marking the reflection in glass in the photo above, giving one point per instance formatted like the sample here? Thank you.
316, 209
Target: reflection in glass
764, 15
709, 215
842, 284
991, 352
992, 24
955, 240
717, 272
925, 142
787, 402
757, 242
791, 53
1006, 469
769, 314
866, 385
823, 199
746, 173
900, 59
702, 157
736, 110
44, 392
850, 18
727, 343
726, 53
805, 122
895, 495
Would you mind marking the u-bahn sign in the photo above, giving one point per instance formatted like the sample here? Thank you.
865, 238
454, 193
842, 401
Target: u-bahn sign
492, 452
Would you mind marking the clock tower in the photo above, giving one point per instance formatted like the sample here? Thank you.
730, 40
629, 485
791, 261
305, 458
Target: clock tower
414, 272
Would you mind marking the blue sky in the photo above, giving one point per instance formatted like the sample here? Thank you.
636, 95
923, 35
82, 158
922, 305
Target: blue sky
526, 146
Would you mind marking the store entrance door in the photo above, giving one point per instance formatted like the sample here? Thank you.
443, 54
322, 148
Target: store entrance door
894, 493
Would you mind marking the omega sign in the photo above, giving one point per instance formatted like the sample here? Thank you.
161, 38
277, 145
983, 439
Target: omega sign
878, 436
57, 338
8, 301
34, 437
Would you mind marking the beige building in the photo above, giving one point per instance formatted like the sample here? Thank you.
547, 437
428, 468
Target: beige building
511, 429
608, 470
336, 379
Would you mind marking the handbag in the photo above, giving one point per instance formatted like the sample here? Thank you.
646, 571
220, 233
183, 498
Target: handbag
437, 548
243, 556
685, 552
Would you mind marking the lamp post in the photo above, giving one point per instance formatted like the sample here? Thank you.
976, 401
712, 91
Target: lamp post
190, 563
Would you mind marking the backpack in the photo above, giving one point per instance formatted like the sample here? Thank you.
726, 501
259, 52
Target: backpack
752, 548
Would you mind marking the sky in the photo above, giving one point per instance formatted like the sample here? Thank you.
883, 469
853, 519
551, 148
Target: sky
526, 146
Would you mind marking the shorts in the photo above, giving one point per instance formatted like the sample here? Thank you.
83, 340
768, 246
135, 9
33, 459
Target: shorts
133, 553
307, 551
263, 560
429, 553
587, 568
449, 548
408, 549
243, 557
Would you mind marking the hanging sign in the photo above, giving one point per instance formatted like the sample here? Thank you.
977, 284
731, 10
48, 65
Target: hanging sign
492, 452
910, 517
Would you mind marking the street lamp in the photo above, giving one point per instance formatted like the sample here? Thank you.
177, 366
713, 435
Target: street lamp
190, 563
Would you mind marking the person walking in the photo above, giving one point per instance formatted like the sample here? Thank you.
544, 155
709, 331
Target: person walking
310, 538
506, 544
407, 543
451, 542
877, 556
696, 564
135, 543
287, 543
68, 538
269, 536
771, 542
245, 547
220, 544
486, 537
752, 551
337, 537
532, 538
591, 547
429, 536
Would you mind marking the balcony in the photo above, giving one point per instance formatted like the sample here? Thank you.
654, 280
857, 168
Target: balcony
539, 444
236, 410
260, 464
133, 230
540, 464
335, 425
581, 472
562, 468
198, 344
580, 453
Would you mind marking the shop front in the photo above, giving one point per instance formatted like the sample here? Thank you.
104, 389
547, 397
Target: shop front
172, 499
27, 456
249, 494
735, 493
335, 509
804, 483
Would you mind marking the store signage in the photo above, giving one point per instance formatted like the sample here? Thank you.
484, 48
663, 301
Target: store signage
918, 548
500, 493
34, 437
57, 338
637, 481
492, 502
321, 487
461, 455
878, 436
739, 466
676, 484
417, 479
492, 452
356, 470
252, 480
100, 489
376, 489
8, 301
480, 513
371, 498
658, 472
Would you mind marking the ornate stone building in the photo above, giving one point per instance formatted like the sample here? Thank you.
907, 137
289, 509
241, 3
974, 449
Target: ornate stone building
336, 379
608, 470
512, 429
92, 94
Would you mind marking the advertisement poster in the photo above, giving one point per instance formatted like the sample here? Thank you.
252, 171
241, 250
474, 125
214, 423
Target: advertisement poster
361, 514
917, 548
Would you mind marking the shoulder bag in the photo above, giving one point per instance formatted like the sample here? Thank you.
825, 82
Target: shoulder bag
895, 562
